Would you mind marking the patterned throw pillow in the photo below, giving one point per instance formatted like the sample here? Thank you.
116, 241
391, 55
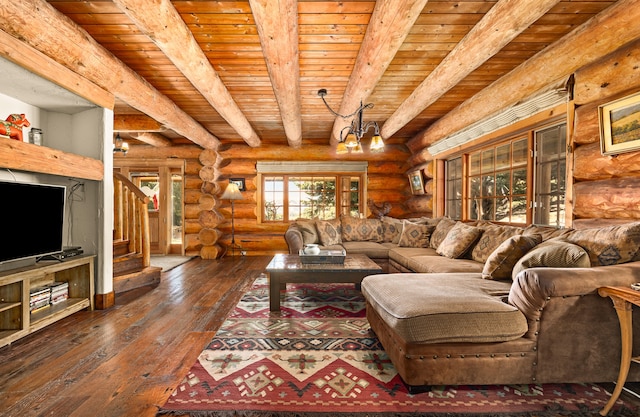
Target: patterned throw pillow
415, 235
442, 228
491, 238
309, 231
361, 230
500, 263
459, 240
391, 229
609, 245
328, 233
553, 253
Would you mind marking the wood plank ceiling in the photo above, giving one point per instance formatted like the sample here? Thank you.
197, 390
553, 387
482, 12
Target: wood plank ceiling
414, 60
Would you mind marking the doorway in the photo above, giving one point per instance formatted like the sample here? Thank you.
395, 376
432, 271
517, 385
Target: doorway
163, 184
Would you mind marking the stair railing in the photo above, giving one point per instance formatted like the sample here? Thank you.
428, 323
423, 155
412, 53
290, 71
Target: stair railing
131, 217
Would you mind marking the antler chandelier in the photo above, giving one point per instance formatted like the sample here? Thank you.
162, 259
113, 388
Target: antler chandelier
351, 136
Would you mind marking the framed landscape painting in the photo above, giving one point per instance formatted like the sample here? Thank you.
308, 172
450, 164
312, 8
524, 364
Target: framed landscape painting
620, 125
416, 182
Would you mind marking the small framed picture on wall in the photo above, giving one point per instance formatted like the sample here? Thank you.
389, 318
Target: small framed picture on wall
239, 182
416, 182
620, 125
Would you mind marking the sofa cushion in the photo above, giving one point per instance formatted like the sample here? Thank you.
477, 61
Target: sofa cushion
440, 232
459, 240
403, 255
434, 264
547, 232
500, 263
444, 308
371, 249
354, 229
415, 235
553, 253
328, 233
391, 229
491, 238
308, 230
608, 245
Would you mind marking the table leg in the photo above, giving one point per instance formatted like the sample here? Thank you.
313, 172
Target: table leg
623, 308
274, 292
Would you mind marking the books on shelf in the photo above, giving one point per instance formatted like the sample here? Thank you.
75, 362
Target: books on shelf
59, 292
51, 294
39, 297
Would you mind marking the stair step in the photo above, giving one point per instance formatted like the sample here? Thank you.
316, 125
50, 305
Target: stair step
126, 264
147, 276
120, 247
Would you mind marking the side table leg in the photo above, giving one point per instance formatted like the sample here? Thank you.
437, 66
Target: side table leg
623, 308
274, 292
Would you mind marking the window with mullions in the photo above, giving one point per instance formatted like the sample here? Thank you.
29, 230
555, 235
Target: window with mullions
289, 197
497, 183
550, 173
454, 181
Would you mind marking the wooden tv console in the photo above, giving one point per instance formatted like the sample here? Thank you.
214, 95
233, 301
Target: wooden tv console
15, 319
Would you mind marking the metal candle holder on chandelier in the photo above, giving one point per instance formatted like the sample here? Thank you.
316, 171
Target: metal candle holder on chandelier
351, 141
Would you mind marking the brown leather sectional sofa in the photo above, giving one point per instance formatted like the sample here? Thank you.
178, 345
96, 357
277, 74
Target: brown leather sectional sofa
493, 311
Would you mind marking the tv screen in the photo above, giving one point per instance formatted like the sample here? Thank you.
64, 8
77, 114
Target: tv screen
32, 220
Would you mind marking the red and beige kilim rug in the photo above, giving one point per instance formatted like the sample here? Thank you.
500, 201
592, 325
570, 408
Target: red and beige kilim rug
318, 357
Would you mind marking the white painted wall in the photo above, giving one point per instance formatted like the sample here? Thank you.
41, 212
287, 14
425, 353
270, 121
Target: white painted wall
89, 214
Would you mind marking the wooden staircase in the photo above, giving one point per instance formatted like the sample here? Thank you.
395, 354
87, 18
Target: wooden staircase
131, 245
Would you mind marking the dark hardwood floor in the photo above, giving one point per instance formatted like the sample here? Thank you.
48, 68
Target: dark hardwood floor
127, 360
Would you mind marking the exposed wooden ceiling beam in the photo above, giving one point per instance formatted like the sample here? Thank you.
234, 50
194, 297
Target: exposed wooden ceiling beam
277, 24
602, 34
33, 20
499, 26
388, 27
40, 64
136, 123
161, 22
153, 139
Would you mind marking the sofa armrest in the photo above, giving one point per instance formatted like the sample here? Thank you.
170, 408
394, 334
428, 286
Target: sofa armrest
293, 236
534, 287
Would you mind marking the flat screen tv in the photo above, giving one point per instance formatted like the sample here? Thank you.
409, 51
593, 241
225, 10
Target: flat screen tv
32, 217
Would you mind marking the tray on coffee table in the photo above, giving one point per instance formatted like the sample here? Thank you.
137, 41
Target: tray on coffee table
324, 257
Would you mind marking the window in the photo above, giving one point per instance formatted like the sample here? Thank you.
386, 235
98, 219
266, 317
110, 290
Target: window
550, 186
498, 183
320, 192
454, 181
496, 180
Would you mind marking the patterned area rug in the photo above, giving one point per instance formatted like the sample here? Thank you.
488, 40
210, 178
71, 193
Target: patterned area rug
318, 357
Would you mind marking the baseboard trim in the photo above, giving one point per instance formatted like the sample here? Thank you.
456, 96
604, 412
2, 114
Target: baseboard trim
105, 301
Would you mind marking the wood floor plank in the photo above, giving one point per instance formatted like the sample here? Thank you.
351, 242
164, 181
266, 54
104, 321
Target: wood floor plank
126, 360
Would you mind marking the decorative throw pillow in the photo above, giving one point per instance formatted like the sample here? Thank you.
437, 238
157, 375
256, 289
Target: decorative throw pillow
553, 253
491, 238
328, 233
442, 228
415, 235
391, 229
458, 241
609, 245
502, 260
361, 230
309, 231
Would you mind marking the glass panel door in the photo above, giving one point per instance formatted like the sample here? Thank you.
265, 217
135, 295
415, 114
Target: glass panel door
550, 173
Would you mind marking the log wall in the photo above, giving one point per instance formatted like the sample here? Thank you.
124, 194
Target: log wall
386, 182
605, 187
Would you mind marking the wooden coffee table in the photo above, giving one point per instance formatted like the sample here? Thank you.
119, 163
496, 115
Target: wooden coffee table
288, 268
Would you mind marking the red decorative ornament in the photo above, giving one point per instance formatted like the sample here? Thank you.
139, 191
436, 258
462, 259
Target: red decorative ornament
13, 125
